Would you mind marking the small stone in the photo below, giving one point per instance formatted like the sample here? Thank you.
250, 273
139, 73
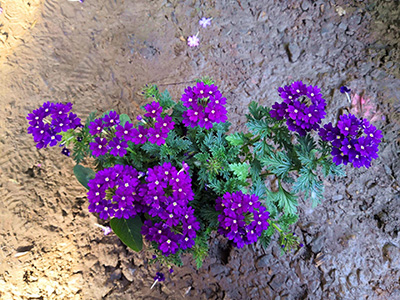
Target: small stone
337, 197
305, 5
295, 51
263, 261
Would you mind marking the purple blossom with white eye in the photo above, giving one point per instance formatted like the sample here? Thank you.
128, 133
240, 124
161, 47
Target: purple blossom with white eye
164, 124
303, 107
205, 106
118, 147
353, 141
153, 109
116, 192
156, 136
96, 126
99, 146
111, 119
125, 132
66, 152
139, 135
242, 218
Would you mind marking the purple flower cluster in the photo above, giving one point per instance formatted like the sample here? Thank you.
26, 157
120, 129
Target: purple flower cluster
105, 126
47, 131
157, 127
117, 192
353, 141
167, 199
303, 107
206, 106
242, 218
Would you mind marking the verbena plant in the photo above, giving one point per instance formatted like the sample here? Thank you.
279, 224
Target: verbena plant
175, 175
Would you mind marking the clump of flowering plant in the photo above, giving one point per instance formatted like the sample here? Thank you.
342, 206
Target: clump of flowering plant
175, 175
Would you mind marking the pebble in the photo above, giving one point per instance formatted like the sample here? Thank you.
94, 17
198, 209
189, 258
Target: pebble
295, 51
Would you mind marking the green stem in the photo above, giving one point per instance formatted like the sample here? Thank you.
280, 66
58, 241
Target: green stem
276, 226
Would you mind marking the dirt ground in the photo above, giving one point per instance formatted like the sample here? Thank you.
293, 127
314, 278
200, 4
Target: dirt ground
98, 55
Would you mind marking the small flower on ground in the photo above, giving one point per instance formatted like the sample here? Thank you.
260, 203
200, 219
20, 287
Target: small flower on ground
66, 152
204, 22
193, 41
345, 89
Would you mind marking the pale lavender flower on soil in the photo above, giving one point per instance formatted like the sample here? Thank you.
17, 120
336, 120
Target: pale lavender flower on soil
193, 41
204, 22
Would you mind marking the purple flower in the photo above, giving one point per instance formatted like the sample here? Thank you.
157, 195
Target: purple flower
153, 110
205, 106
345, 89
96, 126
125, 132
115, 192
303, 107
159, 276
165, 124
156, 136
118, 147
111, 119
193, 41
99, 146
50, 119
139, 135
167, 196
353, 140
66, 152
204, 22
235, 219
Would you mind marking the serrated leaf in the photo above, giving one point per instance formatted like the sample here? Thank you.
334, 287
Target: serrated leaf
286, 200
236, 139
259, 127
128, 230
84, 175
241, 170
123, 118
166, 101
277, 163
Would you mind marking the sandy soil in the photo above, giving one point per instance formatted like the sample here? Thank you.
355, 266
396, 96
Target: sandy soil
98, 54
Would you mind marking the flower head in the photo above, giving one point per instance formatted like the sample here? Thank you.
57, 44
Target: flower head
205, 106
193, 41
353, 141
303, 107
242, 218
344, 89
204, 22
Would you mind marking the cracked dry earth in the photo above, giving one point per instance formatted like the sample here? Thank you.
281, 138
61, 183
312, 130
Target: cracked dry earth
98, 54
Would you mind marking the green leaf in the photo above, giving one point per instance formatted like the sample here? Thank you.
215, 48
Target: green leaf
123, 118
308, 183
260, 127
128, 230
236, 139
166, 101
241, 170
84, 175
286, 200
278, 163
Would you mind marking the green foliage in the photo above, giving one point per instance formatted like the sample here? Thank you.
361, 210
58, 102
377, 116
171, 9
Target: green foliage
277, 163
128, 230
200, 248
81, 149
285, 200
309, 184
123, 118
238, 138
241, 170
166, 101
84, 175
